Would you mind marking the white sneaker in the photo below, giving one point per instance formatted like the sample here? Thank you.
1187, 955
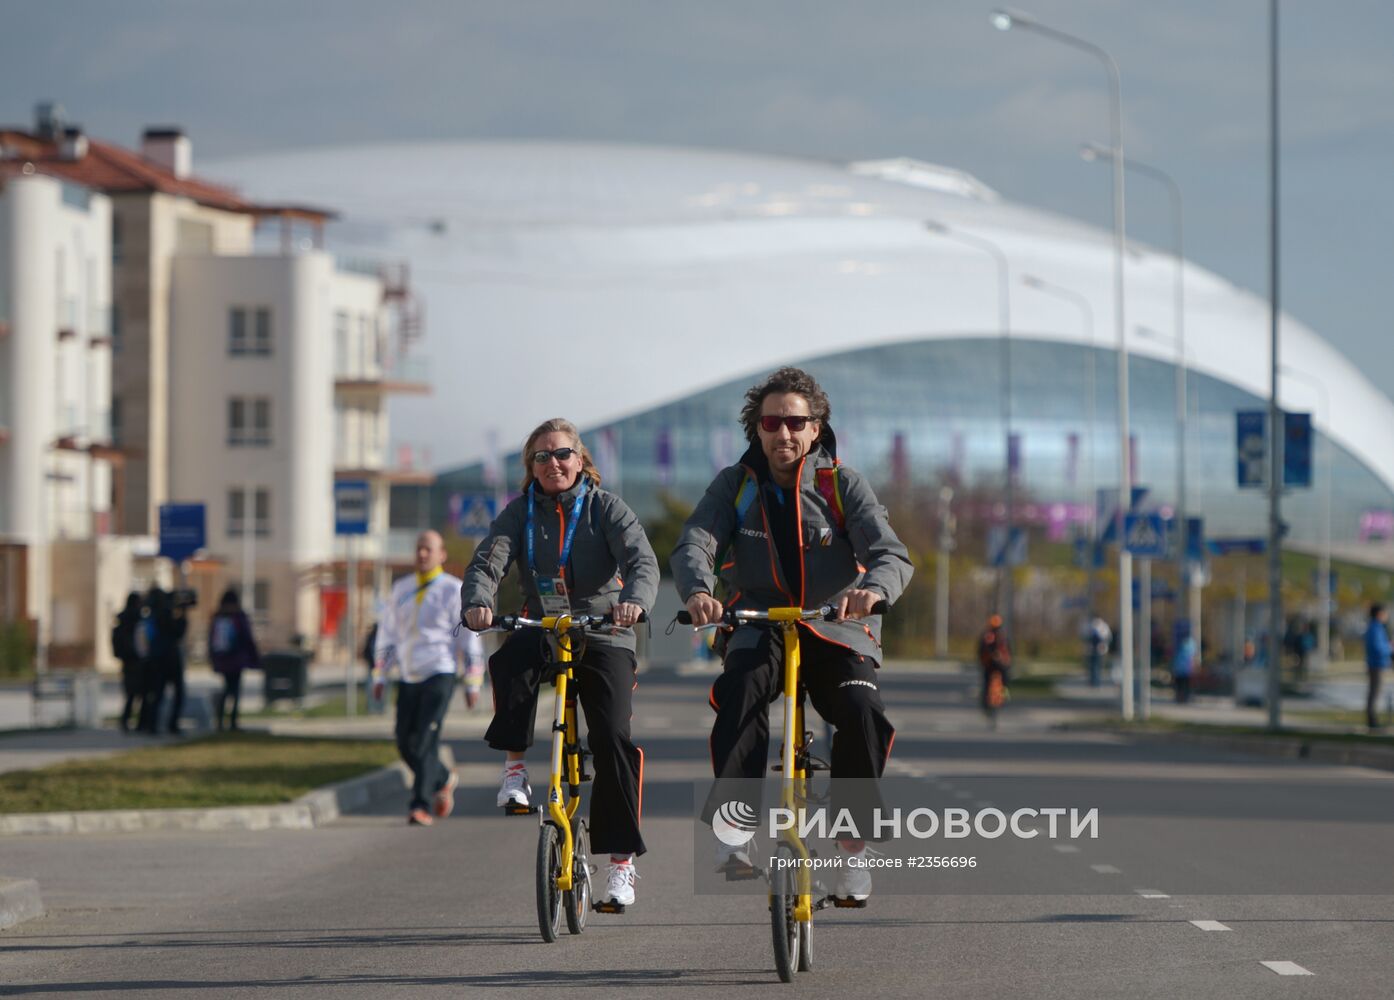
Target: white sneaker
734, 861
853, 878
514, 789
619, 885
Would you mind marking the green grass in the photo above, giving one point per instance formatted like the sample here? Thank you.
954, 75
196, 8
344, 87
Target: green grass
330, 708
232, 769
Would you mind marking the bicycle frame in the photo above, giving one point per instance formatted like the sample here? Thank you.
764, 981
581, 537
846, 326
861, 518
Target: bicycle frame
793, 785
566, 749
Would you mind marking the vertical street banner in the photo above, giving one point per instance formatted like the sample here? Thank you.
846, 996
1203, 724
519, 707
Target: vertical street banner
1014, 455
900, 461
1071, 458
1251, 448
1297, 450
663, 456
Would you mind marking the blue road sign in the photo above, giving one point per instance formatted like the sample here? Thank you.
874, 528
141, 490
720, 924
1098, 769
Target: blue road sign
182, 530
353, 502
1297, 449
1251, 447
1107, 506
473, 513
1145, 536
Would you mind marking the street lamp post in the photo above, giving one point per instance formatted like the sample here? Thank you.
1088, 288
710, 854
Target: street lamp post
1006, 20
1087, 316
1004, 320
1092, 152
1324, 560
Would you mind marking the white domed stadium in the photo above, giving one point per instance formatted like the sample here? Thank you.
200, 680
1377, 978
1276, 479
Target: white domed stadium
638, 291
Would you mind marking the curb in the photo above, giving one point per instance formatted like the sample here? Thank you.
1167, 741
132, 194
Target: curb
19, 901
1286, 747
311, 810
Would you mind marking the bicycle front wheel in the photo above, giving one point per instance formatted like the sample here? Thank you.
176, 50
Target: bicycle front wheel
577, 899
784, 929
549, 848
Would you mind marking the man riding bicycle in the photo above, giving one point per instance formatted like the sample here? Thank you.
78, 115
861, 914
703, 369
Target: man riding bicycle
788, 526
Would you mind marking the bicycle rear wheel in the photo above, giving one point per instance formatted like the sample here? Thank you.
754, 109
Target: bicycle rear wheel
577, 899
784, 929
549, 848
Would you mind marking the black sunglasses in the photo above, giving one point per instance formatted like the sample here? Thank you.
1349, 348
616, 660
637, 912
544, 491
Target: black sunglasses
770, 423
560, 454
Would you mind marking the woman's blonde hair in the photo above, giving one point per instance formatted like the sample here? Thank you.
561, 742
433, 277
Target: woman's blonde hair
558, 425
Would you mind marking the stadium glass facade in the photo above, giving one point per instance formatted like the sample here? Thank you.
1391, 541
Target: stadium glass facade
918, 413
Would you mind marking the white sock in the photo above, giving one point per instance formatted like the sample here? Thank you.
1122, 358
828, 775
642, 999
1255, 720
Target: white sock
621, 859
514, 765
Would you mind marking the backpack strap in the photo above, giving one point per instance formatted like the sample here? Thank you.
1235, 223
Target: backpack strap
745, 496
829, 486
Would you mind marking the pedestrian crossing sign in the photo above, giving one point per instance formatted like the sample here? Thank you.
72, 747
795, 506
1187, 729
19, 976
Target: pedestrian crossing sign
473, 513
1145, 536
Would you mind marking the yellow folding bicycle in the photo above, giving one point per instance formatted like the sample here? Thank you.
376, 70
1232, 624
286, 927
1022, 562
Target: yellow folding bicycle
792, 902
564, 869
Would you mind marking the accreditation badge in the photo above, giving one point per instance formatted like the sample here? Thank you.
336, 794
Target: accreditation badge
555, 599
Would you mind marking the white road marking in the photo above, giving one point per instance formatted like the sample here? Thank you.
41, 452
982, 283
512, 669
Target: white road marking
1107, 869
1286, 968
1151, 894
1209, 925
1066, 848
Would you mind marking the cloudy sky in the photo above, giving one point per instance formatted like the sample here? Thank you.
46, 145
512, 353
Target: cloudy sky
924, 78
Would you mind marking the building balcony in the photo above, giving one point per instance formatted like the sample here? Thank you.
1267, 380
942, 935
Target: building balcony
409, 376
392, 477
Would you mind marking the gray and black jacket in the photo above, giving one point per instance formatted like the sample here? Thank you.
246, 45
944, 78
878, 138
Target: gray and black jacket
867, 554
611, 560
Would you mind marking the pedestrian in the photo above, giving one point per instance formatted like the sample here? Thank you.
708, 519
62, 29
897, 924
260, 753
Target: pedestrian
1377, 653
375, 705
123, 647
790, 526
1097, 638
163, 626
1183, 665
231, 649
418, 635
995, 658
584, 548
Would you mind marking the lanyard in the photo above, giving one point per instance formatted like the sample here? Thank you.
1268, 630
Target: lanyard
570, 535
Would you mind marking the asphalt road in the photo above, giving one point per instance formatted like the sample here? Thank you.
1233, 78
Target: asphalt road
1190, 840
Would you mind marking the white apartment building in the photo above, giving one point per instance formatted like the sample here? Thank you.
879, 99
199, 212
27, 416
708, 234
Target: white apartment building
55, 389
135, 309
278, 377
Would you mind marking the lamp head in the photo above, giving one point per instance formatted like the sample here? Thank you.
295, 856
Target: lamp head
1001, 19
1091, 151
935, 226
1031, 281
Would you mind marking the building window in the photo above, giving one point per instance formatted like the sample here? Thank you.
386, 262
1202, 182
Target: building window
236, 513
261, 422
261, 340
262, 513
248, 422
236, 422
237, 331
342, 366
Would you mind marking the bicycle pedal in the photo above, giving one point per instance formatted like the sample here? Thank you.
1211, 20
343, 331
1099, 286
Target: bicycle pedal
608, 906
736, 872
517, 809
848, 903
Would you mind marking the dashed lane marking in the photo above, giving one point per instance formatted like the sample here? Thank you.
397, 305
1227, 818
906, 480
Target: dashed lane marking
1209, 925
1107, 869
1066, 848
1286, 968
1151, 894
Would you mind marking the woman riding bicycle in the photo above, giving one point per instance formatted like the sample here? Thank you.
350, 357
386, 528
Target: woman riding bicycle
581, 550
789, 526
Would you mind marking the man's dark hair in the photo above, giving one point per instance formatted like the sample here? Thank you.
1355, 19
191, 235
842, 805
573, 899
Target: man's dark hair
1375, 610
785, 380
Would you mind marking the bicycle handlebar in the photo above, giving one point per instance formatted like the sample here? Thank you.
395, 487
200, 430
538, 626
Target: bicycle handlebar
731, 616
510, 623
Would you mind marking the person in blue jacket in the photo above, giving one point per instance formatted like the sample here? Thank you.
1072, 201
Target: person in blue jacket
1376, 659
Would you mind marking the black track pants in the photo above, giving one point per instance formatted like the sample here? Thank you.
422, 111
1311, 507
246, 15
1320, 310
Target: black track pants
842, 687
605, 679
420, 713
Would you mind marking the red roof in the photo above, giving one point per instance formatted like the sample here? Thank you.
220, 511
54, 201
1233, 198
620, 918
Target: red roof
113, 170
